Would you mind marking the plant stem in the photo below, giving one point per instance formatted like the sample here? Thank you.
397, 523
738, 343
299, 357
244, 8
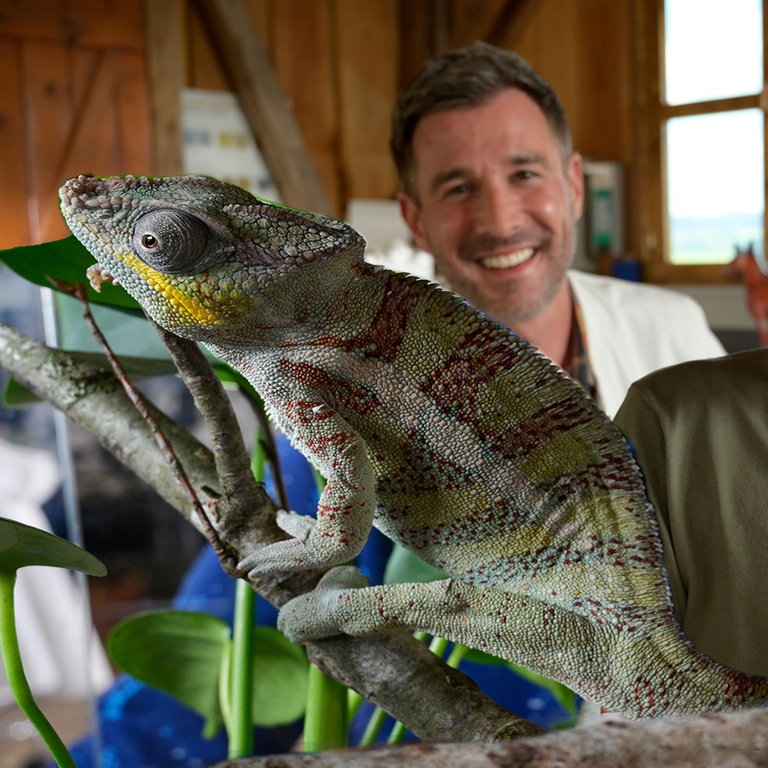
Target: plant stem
9, 650
354, 702
241, 677
438, 646
373, 727
240, 687
456, 655
325, 721
397, 734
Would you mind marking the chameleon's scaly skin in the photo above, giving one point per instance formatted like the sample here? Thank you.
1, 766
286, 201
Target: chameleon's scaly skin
450, 433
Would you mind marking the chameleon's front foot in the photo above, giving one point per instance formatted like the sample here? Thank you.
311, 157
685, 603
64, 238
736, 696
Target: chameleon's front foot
298, 526
311, 546
316, 614
284, 556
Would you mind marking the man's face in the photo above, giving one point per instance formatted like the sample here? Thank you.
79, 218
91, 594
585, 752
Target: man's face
497, 204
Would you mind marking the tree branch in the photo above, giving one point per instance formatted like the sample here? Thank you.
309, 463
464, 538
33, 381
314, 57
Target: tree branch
711, 741
232, 462
93, 398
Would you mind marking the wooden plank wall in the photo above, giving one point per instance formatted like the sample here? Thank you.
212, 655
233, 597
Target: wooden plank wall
73, 100
76, 98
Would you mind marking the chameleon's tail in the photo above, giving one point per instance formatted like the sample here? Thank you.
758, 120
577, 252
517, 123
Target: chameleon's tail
668, 676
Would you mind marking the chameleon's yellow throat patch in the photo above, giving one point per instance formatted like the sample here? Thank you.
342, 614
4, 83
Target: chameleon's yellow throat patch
182, 303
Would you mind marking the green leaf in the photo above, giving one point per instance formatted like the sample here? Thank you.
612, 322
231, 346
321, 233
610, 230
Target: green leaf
403, 567
66, 260
16, 395
280, 671
183, 652
179, 652
567, 699
22, 545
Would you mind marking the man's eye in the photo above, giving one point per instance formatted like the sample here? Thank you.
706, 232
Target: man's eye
456, 190
524, 175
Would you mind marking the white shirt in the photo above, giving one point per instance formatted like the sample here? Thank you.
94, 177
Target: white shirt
632, 329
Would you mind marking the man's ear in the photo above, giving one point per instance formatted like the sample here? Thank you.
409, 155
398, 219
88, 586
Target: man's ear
575, 178
411, 213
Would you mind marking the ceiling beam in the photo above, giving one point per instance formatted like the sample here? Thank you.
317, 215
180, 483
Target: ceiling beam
166, 60
236, 41
499, 23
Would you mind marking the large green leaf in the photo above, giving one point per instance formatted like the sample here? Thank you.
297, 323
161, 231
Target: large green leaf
22, 545
403, 567
567, 699
279, 679
183, 653
66, 260
179, 652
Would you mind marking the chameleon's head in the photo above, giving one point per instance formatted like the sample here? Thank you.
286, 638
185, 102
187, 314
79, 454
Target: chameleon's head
196, 253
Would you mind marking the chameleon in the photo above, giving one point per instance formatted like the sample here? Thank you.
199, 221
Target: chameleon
446, 430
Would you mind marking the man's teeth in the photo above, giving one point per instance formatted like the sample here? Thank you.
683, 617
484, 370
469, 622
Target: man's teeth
507, 260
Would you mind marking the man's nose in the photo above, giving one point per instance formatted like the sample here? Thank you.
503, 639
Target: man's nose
499, 209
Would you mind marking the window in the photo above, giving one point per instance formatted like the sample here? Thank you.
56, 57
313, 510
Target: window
702, 70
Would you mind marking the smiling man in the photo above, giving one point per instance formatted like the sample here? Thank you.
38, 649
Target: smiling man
491, 187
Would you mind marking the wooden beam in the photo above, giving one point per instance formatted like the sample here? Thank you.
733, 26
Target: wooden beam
500, 23
79, 24
166, 58
433, 27
234, 37
424, 33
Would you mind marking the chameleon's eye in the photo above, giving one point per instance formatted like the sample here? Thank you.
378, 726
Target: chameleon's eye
173, 242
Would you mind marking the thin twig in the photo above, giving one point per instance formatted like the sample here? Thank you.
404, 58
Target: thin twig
77, 291
268, 445
232, 460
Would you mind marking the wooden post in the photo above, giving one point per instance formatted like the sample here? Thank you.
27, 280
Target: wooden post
166, 58
236, 41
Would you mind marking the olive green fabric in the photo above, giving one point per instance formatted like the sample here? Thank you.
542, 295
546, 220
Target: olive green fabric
700, 431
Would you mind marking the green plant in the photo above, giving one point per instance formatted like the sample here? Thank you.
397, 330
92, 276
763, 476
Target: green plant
20, 546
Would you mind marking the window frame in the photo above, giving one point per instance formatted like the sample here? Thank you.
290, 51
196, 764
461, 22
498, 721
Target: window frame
652, 113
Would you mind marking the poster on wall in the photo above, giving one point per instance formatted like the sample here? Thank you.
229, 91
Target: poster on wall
218, 142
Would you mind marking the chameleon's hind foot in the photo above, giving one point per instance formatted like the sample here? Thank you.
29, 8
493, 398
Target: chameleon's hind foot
314, 615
